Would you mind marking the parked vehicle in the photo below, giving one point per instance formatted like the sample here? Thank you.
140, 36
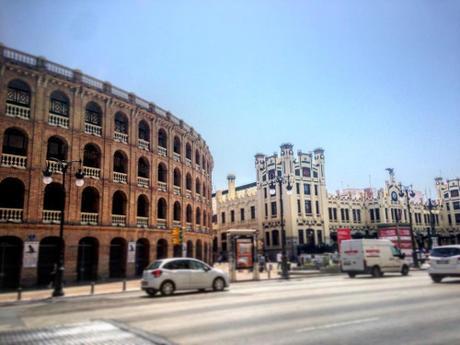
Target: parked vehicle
369, 256
169, 275
444, 262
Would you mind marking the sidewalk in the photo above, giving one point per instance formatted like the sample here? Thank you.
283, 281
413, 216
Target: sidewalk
100, 288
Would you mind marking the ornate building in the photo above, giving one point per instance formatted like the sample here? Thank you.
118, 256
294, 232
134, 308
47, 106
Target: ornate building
146, 172
312, 215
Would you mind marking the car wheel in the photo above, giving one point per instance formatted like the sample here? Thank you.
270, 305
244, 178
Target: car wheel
352, 275
218, 284
151, 292
436, 278
167, 288
405, 270
376, 273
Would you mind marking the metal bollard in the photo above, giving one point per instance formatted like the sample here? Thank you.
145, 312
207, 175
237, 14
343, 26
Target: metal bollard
124, 285
92, 288
19, 293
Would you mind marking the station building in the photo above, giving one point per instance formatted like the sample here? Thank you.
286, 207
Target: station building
146, 173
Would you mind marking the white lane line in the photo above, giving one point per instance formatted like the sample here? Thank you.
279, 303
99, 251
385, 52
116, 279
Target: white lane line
337, 324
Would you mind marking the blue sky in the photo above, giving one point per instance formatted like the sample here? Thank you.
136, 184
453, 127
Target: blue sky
375, 83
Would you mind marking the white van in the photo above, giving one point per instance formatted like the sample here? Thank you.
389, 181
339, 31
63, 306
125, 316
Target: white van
376, 257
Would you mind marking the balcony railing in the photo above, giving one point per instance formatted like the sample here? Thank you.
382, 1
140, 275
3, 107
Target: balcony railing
162, 151
58, 120
51, 216
13, 215
88, 218
142, 222
176, 190
176, 223
121, 137
161, 223
20, 111
188, 226
93, 129
92, 172
14, 161
197, 167
143, 182
162, 186
176, 156
143, 144
54, 167
118, 219
120, 177
188, 162
188, 194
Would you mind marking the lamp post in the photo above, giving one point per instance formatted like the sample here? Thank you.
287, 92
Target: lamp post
280, 181
62, 166
433, 241
408, 192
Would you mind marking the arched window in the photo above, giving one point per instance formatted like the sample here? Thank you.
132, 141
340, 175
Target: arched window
144, 131
197, 186
197, 157
121, 123
91, 156
54, 197
59, 104
15, 142
57, 149
18, 93
11, 195
188, 151
204, 218
162, 138
275, 238
93, 115
120, 162
177, 211
143, 169
162, 173
142, 206
188, 182
90, 200
162, 209
177, 177
177, 145
198, 216
189, 214
204, 190
119, 203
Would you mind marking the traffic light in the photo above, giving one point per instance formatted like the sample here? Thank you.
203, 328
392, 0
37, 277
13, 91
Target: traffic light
181, 236
175, 236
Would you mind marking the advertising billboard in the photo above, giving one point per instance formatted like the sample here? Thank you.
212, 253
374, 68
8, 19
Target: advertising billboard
343, 234
244, 253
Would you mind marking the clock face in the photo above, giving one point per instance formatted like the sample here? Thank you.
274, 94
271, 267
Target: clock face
394, 196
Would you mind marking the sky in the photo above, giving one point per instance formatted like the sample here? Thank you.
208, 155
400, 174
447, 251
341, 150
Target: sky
374, 83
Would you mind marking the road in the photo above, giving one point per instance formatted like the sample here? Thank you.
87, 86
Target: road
319, 310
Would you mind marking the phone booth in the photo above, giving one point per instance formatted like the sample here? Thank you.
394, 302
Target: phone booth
242, 252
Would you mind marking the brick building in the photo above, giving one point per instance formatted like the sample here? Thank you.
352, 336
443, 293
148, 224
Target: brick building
146, 172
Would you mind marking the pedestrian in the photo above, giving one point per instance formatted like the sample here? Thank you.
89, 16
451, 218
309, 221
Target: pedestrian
261, 263
52, 276
279, 259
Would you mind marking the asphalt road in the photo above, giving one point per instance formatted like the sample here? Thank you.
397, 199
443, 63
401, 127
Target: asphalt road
321, 310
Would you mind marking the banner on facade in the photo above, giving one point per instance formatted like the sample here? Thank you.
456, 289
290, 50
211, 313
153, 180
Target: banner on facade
399, 235
30, 257
131, 252
342, 235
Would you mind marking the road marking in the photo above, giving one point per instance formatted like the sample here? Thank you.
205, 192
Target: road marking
337, 324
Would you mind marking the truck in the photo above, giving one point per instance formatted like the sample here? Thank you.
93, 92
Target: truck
371, 256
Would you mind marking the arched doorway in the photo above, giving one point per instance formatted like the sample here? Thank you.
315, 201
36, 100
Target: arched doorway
11, 249
177, 251
48, 255
189, 249
117, 260
199, 250
215, 249
162, 249
142, 255
87, 259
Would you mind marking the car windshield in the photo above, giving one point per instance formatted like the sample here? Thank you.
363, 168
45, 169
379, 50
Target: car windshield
445, 252
154, 265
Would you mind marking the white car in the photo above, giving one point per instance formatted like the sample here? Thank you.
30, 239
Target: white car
444, 262
169, 275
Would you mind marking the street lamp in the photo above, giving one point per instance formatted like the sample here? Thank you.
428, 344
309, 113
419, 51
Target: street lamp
280, 181
408, 192
432, 239
62, 166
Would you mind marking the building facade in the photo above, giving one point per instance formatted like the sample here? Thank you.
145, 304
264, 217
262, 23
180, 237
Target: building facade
312, 215
146, 172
